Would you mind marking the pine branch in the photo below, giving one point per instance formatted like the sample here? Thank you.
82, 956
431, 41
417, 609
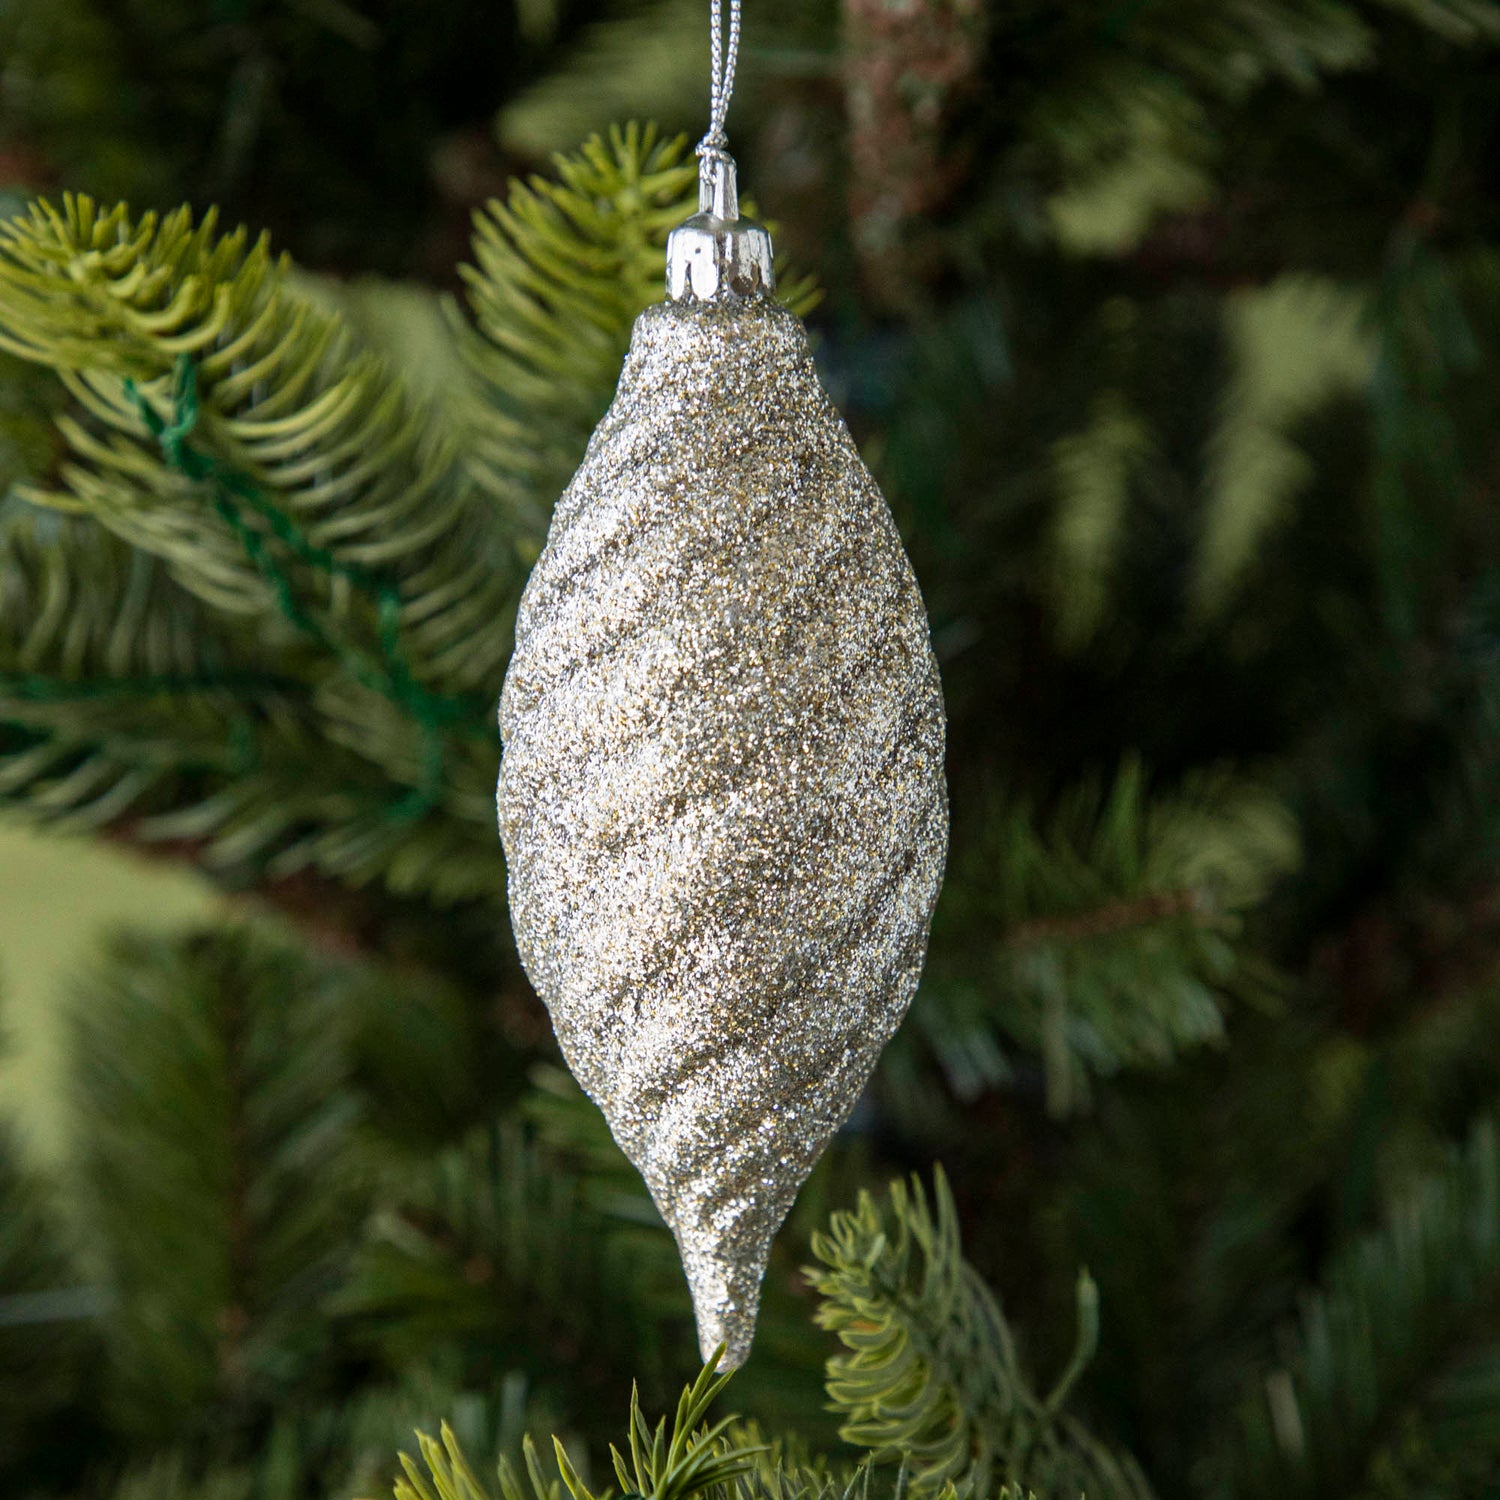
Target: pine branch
94, 639
687, 1460
126, 702
1127, 114
1403, 1337
1127, 111
1461, 22
496, 1255
286, 399
1294, 346
1106, 938
561, 270
1095, 471
933, 1376
225, 426
727, 1460
218, 1190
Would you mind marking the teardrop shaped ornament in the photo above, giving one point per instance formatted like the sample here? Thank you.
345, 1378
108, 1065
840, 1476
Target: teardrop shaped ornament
722, 796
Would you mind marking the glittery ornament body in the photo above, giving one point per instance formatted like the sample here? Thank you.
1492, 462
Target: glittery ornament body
722, 796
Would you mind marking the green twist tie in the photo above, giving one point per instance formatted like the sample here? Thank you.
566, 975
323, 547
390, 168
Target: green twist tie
233, 495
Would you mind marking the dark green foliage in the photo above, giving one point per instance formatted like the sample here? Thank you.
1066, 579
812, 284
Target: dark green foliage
1108, 938
28, 398
1394, 1364
212, 1071
45, 1336
1172, 330
171, 1479
693, 1459
101, 650
494, 1254
724, 1461
335, 1230
329, 123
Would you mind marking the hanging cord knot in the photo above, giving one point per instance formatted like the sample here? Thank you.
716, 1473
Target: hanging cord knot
723, 56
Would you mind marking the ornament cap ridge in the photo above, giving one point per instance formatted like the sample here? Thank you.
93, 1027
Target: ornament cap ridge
715, 253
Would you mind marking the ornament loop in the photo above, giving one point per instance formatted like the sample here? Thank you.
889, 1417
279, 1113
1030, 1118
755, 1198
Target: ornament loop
722, 61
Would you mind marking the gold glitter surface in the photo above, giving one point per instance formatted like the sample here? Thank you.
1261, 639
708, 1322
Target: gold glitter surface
722, 796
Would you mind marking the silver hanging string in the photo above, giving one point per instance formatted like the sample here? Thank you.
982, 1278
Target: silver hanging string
722, 62
716, 253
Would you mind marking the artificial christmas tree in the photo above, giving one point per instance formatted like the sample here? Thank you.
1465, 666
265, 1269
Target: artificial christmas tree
1174, 348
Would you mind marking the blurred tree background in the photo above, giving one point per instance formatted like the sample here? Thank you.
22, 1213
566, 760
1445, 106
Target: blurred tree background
1172, 331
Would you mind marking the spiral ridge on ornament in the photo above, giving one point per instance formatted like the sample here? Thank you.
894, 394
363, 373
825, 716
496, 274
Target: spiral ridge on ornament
722, 796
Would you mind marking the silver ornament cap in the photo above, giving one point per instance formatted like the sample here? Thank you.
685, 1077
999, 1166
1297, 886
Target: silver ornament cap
716, 253
722, 795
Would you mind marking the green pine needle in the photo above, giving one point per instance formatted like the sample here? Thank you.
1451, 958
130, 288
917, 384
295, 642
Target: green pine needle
932, 1377
1106, 936
1401, 1344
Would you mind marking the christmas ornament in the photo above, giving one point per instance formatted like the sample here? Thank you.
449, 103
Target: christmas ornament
722, 796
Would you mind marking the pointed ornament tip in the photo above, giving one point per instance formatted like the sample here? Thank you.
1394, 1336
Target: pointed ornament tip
724, 1275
